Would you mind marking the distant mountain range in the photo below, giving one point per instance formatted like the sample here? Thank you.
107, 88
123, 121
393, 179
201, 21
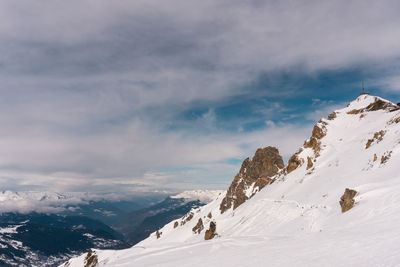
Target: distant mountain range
46, 228
46, 239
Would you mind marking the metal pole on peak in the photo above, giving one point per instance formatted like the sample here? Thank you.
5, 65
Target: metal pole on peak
363, 91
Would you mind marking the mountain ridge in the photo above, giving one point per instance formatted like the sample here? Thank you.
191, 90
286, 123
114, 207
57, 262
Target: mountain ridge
299, 214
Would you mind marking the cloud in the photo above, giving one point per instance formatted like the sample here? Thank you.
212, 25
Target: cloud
134, 159
323, 110
390, 83
52, 202
269, 123
94, 93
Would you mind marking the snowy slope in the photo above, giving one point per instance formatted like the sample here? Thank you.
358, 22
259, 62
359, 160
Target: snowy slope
297, 220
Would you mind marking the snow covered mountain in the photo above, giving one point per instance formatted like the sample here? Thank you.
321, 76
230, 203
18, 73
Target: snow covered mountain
138, 225
336, 203
48, 239
47, 228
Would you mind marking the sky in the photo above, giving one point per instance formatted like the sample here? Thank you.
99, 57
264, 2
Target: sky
136, 96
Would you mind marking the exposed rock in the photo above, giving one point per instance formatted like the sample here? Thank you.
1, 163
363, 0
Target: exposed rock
314, 144
211, 232
209, 215
158, 234
318, 132
198, 227
187, 218
91, 259
254, 174
176, 224
377, 105
378, 136
293, 163
332, 116
309, 163
375, 157
347, 200
394, 120
355, 111
386, 157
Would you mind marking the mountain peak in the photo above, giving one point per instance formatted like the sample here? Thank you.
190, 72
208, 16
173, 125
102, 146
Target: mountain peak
369, 103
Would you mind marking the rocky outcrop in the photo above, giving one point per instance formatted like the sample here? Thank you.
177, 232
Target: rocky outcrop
332, 116
293, 163
158, 234
211, 232
319, 131
198, 227
378, 136
378, 104
309, 163
252, 177
187, 218
176, 224
386, 157
347, 200
394, 120
91, 259
209, 215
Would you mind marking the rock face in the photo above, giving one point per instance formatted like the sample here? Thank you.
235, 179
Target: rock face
187, 218
158, 234
253, 176
309, 163
347, 200
319, 131
332, 116
293, 163
211, 233
378, 136
198, 227
377, 105
91, 259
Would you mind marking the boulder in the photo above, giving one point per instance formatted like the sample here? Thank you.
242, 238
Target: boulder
158, 234
198, 227
347, 200
211, 232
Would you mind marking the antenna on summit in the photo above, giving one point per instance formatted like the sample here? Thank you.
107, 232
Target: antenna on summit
363, 89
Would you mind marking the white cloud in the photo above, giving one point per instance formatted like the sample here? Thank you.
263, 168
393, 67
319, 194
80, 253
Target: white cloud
269, 123
89, 88
389, 83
